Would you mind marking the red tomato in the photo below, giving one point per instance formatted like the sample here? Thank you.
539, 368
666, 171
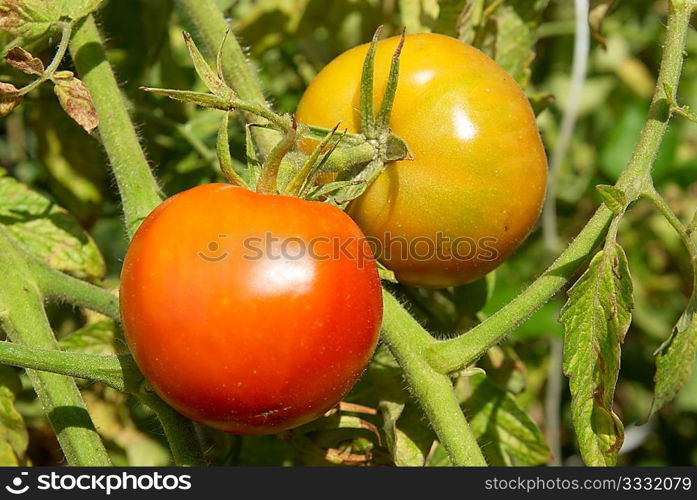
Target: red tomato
250, 313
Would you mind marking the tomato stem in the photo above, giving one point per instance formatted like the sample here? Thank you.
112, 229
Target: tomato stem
62, 287
407, 341
180, 431
224, 157
139, 191
24, 320
269, 173
117, 371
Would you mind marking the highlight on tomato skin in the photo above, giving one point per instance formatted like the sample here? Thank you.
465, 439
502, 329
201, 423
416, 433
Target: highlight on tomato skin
236, 316
479, 171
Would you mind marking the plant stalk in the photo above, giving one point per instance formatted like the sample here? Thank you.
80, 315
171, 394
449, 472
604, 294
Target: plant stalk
117, 371
407, 341
24, 320
179, 430
139, 191
62, 287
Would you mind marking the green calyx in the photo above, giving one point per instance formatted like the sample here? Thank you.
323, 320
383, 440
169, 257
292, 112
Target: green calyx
303, 152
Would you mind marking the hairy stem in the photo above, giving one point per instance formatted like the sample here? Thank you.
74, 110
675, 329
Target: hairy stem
24, 320
679, 227
117, 371
180, 431
451, 355
65, 288
139, 191
66, 30
407, 341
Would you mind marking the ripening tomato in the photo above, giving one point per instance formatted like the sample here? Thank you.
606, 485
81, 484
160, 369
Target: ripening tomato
250, 313
477, 181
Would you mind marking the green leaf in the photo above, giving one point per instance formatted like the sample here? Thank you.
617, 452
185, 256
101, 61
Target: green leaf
516, 36
74, 162
198, 98
540, 101
47, 231
506, 433
386, 274
615, 199
408, 439
366, 90
27, 20
418, 15
13, 432
77, 9
596, 318
30, 20
383, 120
96, 338
676, 357
460, 18
213, 81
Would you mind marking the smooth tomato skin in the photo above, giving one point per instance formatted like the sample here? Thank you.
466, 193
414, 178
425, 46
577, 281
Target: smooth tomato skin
479, 168
249, 346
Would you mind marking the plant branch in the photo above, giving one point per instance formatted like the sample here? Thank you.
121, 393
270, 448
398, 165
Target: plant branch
451, 355
60, 286
24, 320
209, 100
66, 31
117, 371
677, 224
179, 430
139, 191
407, 341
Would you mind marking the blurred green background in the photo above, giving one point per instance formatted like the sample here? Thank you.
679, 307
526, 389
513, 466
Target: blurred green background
289, 42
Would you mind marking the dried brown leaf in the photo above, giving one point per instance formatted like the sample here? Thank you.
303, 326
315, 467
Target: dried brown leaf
24, 61
9, 98
76, 100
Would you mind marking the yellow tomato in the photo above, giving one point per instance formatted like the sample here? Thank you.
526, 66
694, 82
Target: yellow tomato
476, 184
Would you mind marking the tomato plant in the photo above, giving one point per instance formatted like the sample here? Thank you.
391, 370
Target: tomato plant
246, 321
477, 179
254, 307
